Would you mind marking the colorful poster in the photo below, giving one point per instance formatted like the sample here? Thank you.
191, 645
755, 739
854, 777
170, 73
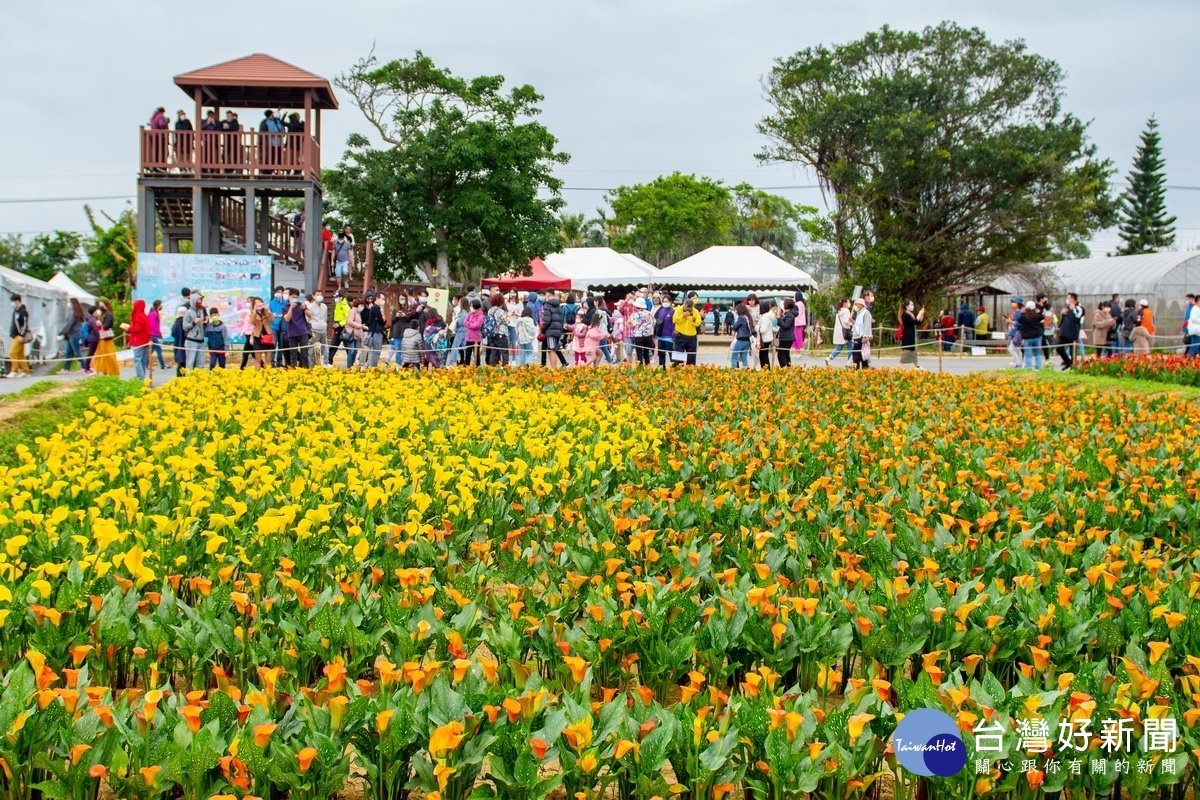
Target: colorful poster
226, 281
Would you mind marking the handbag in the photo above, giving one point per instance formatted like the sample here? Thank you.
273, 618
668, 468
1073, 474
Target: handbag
105, 333
267, 339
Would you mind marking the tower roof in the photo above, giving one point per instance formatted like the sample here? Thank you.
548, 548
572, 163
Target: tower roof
257, 81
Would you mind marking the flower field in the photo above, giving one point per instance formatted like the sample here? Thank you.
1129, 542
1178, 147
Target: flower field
700, 584
1182, 370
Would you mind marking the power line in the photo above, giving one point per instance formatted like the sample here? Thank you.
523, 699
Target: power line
21, 200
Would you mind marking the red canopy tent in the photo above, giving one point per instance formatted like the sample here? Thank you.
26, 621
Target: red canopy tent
540, 278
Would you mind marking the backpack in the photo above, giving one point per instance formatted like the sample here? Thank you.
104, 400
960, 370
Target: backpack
490, 328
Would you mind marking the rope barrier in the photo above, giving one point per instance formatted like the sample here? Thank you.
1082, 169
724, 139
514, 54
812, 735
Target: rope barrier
363, 352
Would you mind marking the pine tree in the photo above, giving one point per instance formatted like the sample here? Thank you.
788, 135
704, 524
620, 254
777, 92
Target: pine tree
1144, 224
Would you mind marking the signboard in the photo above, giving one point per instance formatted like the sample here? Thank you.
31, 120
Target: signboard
226, 281
440, 299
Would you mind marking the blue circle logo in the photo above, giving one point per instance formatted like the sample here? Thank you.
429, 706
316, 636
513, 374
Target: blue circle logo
926, 742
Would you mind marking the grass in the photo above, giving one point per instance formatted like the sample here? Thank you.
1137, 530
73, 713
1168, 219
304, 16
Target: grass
32, 390
1105, 383
43, 418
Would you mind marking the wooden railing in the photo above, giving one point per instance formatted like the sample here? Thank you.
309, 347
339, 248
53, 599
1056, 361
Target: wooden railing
282, 239
211, 154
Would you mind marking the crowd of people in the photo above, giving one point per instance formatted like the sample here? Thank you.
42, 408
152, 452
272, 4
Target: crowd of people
1117, 327
229, 148
88, 336
491, 328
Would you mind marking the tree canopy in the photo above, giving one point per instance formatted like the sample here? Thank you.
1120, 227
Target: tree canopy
675, 216
945, 155
41, 256
465, 181
1144, 224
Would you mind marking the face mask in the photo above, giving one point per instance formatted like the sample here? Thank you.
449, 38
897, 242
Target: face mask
910, 306
319, 298
279, 295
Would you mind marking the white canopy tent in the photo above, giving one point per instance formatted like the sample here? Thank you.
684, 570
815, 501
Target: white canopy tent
597, 267
62, 281
48, 308
734, 267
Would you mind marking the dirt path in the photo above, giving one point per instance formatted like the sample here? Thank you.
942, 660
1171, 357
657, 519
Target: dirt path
12, 408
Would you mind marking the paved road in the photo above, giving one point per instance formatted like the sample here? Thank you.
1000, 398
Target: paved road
709, 354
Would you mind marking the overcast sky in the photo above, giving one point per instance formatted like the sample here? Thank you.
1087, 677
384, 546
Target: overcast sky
633, 89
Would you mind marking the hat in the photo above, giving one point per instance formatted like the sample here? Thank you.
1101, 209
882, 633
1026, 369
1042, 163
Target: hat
981, 308
858, 301
1031, 305
179, 312
1019, 300
1143, 303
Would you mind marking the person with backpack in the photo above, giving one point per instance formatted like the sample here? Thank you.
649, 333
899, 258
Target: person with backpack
278, 307
526, 333
1129, 321
217, 336
789, 329
742, 332
495, 332
177, 339
766, 328
374, 324
436, 343
553, 327
18, 330
1069, 330
195, 321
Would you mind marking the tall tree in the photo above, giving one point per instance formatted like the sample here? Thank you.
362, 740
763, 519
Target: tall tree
945, 155
111, 266
41, 256
773, 222
574, 230
466, 179
671, 217
1144, 224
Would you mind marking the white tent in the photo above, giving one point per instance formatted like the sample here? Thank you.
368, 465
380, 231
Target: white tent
595, 267
48, 309
746, 267
62, 281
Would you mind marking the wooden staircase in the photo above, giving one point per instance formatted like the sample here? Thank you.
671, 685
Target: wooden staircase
175, 213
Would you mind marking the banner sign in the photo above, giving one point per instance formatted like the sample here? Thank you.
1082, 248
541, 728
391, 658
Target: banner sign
226, 281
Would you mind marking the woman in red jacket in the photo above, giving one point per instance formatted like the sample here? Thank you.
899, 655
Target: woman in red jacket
138, 329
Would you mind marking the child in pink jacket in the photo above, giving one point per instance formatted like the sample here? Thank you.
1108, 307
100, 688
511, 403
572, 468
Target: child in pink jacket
579, 340
594, 337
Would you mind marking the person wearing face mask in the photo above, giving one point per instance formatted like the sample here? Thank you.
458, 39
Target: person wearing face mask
195, 323
909, 319
278, 307
374, 325
18, 331
319, 321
